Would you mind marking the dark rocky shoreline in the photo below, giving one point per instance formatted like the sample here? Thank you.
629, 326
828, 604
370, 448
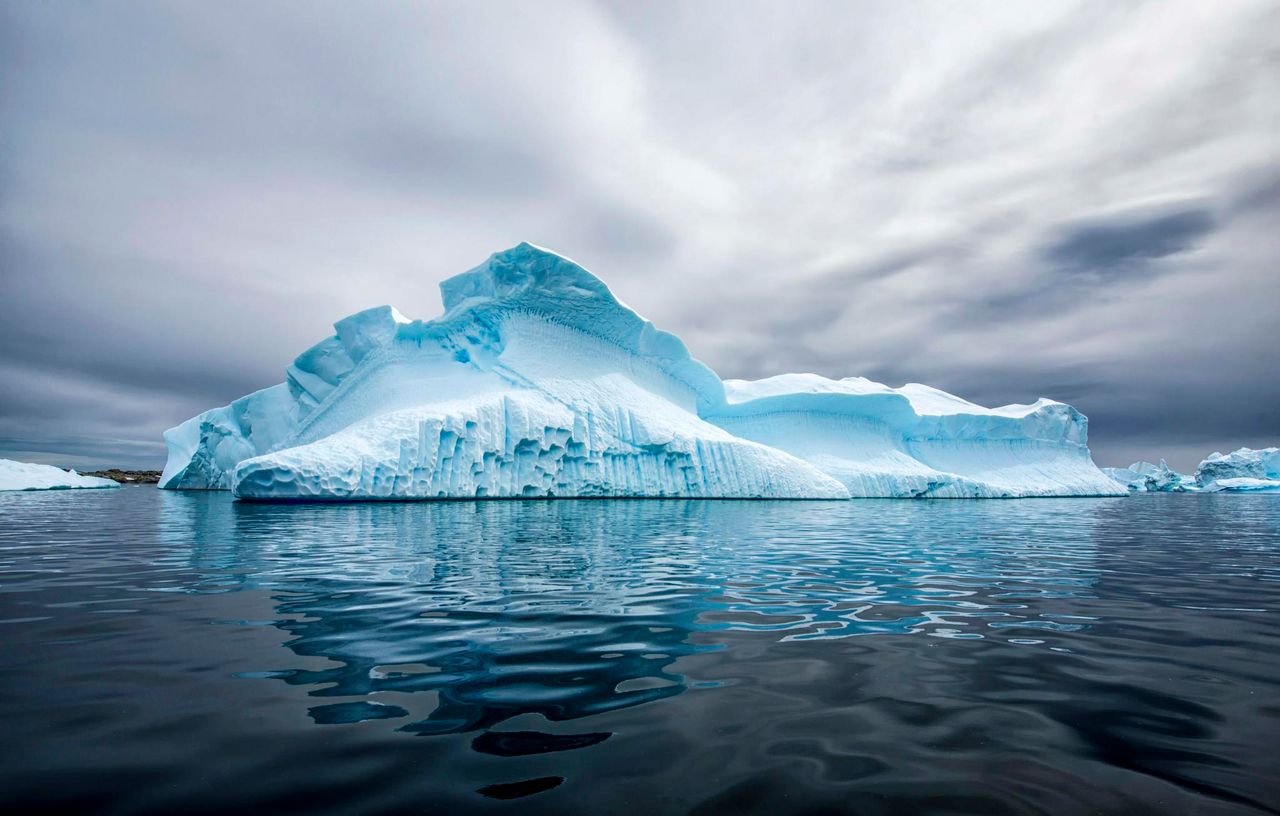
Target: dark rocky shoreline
127, 476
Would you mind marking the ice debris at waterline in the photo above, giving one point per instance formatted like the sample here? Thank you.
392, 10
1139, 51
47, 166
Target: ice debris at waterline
1144, 477
28, 476
537, 382
1242, 471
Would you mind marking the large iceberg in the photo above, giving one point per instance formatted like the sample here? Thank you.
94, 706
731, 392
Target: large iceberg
28, 476
537, 382
1241, 471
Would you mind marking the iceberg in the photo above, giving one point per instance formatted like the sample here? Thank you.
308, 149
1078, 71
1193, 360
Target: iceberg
1241, 471
537, 381
27, 476
1144, 477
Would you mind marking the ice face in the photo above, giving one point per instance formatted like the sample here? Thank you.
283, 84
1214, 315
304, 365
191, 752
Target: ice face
1239, 471
537, 381
521, 443
27, 476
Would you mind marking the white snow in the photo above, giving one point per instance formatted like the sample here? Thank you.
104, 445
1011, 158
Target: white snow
537, 381
27, 476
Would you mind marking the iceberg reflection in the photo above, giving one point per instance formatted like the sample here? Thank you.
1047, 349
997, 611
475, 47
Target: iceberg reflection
571, 608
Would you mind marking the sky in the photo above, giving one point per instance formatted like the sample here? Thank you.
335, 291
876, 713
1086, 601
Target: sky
1003, 200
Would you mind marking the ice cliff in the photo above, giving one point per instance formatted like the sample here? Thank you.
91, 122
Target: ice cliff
27, 476
537, 381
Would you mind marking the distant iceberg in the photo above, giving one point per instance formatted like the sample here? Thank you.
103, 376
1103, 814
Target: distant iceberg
1144, 477
27, 476
538, 382
1242, 471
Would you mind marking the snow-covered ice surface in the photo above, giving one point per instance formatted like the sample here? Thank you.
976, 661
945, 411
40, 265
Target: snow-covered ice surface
1144, 477
1243, 470
27, 476
537, 381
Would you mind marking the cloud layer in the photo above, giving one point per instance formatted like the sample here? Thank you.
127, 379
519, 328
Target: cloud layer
1003, 200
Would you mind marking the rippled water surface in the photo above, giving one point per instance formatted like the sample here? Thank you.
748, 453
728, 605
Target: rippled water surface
181, 653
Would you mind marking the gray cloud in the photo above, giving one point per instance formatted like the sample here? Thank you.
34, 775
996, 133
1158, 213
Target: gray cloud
1122, 242
1003, 201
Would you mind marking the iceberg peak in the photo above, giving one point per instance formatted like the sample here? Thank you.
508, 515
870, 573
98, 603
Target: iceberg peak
531, 280
524, 268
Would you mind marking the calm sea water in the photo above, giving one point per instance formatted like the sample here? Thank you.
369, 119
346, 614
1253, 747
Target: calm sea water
181, 653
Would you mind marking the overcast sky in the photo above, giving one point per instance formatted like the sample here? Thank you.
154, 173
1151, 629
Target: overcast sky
1004, 200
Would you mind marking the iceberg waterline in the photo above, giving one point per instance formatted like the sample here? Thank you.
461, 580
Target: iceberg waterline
538, 382
28, 476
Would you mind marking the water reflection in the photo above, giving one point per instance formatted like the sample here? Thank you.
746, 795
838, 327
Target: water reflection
567, 609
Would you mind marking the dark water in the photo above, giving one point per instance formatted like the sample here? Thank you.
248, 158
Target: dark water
181, 653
